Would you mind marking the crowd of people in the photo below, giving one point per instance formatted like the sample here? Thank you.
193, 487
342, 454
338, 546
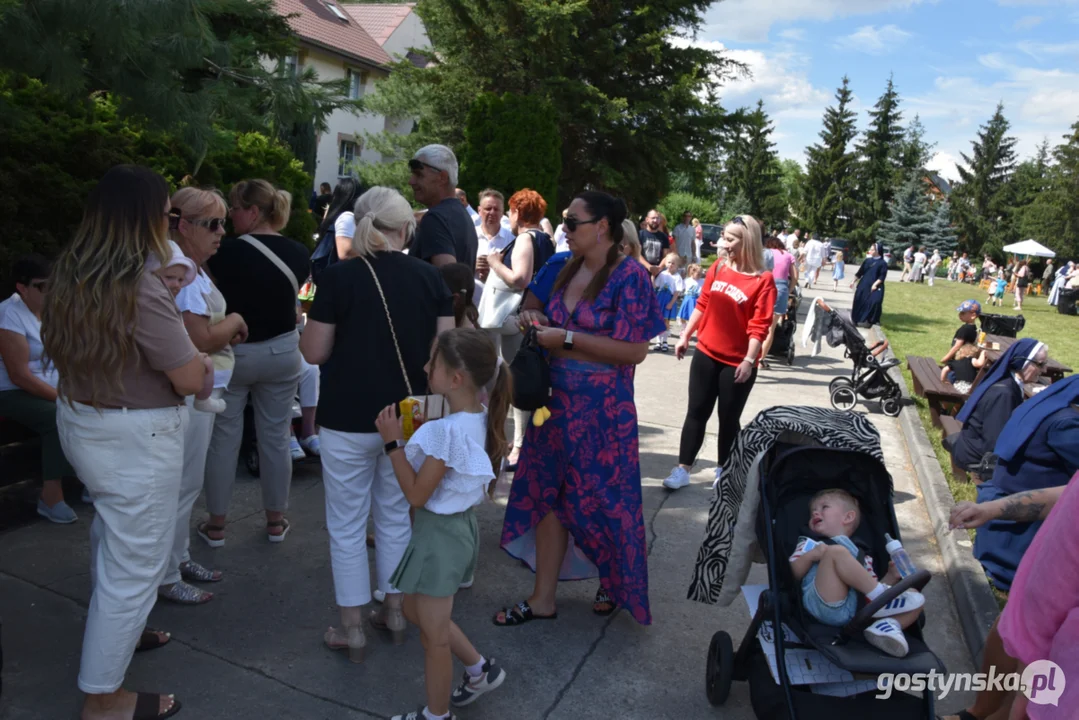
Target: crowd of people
136, 353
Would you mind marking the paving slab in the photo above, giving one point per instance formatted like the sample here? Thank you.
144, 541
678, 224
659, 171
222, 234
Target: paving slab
256, 650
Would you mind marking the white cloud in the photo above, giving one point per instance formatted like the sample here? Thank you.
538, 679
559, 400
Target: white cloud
872, 40
793, 34
1027, 22
945, 164
1040, 50
750, 20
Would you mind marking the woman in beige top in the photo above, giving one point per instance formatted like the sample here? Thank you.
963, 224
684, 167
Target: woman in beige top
125, 363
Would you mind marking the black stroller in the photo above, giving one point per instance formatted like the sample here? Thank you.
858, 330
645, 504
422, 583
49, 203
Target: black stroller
792, 471
869, 378
783, 341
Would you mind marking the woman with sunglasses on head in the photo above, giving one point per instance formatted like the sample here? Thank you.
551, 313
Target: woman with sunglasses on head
213, 331
125, 362
259, 273
734, 314
579, 474
28, 382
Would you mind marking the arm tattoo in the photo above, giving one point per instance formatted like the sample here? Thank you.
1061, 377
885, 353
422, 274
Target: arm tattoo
1026, 506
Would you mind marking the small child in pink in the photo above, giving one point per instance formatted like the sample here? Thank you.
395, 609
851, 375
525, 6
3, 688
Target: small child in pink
1041, 619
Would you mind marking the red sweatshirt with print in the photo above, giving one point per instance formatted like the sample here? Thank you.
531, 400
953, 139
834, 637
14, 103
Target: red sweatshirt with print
735, 307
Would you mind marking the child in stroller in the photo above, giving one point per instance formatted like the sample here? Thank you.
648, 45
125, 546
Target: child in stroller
834, 571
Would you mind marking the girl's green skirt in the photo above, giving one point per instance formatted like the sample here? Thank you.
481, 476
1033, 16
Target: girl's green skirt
441, 554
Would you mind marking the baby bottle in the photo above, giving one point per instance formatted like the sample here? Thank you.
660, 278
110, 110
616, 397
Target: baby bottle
902, 560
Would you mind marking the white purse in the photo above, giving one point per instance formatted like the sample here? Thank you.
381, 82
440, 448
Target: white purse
499, 305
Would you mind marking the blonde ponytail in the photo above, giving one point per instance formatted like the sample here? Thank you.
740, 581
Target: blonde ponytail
380, 210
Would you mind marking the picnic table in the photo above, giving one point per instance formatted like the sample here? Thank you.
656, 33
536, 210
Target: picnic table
942, 397
996, 345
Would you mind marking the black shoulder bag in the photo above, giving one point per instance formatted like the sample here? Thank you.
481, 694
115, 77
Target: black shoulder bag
531, 375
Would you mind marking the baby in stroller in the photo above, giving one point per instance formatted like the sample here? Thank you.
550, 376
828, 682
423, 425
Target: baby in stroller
835, 573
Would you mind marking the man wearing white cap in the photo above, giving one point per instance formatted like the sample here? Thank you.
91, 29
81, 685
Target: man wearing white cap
447, 234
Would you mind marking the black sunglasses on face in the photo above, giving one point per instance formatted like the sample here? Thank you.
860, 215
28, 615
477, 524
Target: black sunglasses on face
573, 223
417, 166
213, 224
174, 216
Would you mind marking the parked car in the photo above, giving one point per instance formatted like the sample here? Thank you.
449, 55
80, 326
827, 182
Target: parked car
710, 239
839, 244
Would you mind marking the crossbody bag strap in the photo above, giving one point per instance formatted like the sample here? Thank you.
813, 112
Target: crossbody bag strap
272, 257
389, 320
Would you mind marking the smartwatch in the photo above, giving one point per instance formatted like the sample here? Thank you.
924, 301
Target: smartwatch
393, 445
567, 344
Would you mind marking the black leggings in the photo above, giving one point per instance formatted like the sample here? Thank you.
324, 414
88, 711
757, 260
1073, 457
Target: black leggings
711, 380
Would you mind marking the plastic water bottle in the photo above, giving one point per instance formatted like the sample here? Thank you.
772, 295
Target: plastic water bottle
900, 557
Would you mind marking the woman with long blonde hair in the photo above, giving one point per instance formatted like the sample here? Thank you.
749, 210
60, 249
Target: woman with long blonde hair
114, 334
734, 312
375, 316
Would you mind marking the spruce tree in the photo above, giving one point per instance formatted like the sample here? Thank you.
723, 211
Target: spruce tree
910, 220
754, 171
942, 236
879, 168
981, 201
914, 151
830, 181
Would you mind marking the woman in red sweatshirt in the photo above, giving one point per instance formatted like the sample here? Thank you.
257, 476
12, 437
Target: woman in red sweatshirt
732, 319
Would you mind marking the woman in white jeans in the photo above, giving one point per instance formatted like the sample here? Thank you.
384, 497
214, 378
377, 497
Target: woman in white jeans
201, 226
372, 340
125, 362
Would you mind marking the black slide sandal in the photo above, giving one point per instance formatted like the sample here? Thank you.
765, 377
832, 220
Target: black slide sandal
520, 614
148, 707
151, 640
603, 598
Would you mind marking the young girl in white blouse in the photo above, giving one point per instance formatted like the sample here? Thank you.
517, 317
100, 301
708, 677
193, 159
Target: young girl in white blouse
445, 469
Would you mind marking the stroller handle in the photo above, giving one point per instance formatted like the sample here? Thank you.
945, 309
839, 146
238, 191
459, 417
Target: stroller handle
864, 618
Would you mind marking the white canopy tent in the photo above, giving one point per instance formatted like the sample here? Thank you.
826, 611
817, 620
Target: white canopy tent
1029, 247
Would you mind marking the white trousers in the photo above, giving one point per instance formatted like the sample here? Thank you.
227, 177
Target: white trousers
359, 481
200, 426
308, 390
132, 463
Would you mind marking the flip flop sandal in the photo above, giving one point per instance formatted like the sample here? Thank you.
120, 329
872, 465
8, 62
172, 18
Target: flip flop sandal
184, 594
194, 572
148, 707
151, 640
520, 614
280, 537
204, 530
603, 598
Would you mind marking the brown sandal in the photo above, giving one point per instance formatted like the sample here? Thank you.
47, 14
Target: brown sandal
148, 707
151, 640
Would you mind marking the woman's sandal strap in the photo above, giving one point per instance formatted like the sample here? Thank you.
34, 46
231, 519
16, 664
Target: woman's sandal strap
520, 614
151, 640
603, 598
148, 707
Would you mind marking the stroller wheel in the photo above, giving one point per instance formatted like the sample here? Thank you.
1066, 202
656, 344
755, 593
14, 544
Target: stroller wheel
891, 407
719, 671
843, 397
839, 382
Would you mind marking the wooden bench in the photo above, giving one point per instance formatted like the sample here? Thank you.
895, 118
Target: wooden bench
942, 397
20, 453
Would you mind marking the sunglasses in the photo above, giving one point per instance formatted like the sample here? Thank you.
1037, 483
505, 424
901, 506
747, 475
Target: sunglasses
213, 224
738, 219
1038, 364
417, 166
174, 216
573, 223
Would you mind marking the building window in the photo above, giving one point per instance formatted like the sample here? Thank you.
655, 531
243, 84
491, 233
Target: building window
291, 65
356, 82
336, 11
345, 158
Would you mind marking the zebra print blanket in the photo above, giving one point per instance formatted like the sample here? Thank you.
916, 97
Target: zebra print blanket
841, 430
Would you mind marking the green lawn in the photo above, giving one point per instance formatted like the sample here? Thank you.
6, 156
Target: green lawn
920, 320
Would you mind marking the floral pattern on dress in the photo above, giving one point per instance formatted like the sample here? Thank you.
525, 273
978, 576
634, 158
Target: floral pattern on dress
583, 463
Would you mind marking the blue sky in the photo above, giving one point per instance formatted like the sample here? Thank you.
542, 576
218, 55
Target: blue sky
952, 61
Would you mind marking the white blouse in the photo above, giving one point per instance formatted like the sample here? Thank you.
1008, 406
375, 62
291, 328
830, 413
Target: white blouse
17, 318
457, 440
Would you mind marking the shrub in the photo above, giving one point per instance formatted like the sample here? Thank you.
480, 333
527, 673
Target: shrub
676, 203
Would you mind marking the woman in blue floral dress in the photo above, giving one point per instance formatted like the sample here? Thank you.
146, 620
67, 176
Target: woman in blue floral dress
575, 510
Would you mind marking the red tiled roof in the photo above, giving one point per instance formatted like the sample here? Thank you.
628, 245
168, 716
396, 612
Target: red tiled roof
379, 20
317, 24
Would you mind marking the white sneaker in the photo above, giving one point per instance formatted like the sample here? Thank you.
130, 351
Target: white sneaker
379, 596
295, 449
678, 478
909, 600
312, 445
719, 476
888, 636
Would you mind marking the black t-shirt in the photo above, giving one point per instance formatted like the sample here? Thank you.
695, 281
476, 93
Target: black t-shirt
254, 286
967, 332
654, 245
964, 369
363, 374
446, 229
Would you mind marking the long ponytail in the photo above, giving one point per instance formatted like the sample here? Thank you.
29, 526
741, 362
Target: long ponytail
498, 407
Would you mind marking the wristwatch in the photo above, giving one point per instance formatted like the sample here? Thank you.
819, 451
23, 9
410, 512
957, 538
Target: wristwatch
567, 344
393, 445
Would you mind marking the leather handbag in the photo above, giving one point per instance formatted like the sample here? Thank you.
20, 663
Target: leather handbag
531, 375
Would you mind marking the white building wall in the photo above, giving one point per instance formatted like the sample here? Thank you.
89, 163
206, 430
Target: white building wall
409, 34
342, 124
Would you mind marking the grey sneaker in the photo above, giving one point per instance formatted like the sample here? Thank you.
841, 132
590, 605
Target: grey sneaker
678, 479
60, 513
471, 688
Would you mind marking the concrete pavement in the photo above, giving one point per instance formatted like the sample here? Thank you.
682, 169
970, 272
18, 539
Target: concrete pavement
256, 650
